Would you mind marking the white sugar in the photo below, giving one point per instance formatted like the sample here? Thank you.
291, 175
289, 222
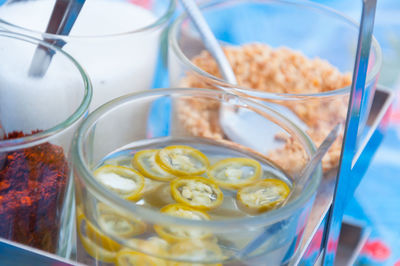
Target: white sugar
97, 17
116, 65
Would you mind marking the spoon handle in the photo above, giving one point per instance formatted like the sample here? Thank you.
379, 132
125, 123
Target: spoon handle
62, 18
209, 40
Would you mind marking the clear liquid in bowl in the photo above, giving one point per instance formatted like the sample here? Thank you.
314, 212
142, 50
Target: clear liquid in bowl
115, 237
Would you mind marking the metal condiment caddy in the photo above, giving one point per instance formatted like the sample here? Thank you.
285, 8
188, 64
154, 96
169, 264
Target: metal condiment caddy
321, 237
320, 243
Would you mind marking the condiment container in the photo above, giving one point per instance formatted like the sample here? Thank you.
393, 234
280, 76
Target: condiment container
295, 56
111, 229
117, 42
38, 117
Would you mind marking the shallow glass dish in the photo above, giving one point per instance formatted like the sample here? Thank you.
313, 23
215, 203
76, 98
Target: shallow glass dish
273, 236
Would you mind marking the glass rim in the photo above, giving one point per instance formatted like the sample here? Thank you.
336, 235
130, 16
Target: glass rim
162, 19
112, 199
30, 140
172, 38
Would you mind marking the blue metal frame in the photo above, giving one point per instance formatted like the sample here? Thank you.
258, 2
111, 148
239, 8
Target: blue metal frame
346, 173
317, 241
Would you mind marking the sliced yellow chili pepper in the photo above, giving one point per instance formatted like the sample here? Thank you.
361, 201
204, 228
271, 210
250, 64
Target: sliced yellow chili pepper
96, 251
134, 258
153, 246
127, 182
178, 233
182, 160
95, 243
159, 196
184, 211
199, 250
90, 231
115, 223
234, 173
145, 162
262, 196
197, 192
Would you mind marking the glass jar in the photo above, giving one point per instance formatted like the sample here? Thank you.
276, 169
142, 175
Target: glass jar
112, 229
297, 57
117, 42
38, 116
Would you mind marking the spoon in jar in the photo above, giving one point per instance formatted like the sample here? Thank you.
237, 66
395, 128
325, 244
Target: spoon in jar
63, 17
301, 182
235, 122
209, 40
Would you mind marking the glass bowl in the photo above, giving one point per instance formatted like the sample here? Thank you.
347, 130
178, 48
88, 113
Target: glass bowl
297, 57
38, 117
232, 235
117, 42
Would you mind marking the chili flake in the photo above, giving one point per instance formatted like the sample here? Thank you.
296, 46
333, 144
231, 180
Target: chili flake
32, 188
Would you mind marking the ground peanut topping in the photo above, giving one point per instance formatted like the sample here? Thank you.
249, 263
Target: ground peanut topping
281, 70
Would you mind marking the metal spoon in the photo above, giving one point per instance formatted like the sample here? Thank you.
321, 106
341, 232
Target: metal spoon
301, 182
235, 122
63, 17
209, 40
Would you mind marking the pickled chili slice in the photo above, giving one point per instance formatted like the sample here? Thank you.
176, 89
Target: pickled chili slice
118, 224
197, 192
96, 251
178, 233
182, 160
153, 245
262, 195
93, 241
126, 182
159, 196
133, 258
145, 162
198, 250
184, 211
233, 173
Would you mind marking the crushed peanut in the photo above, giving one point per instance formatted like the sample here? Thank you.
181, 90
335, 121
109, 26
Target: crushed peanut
280, 70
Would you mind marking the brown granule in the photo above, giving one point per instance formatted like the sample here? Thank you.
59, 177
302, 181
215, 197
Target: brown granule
280, 70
